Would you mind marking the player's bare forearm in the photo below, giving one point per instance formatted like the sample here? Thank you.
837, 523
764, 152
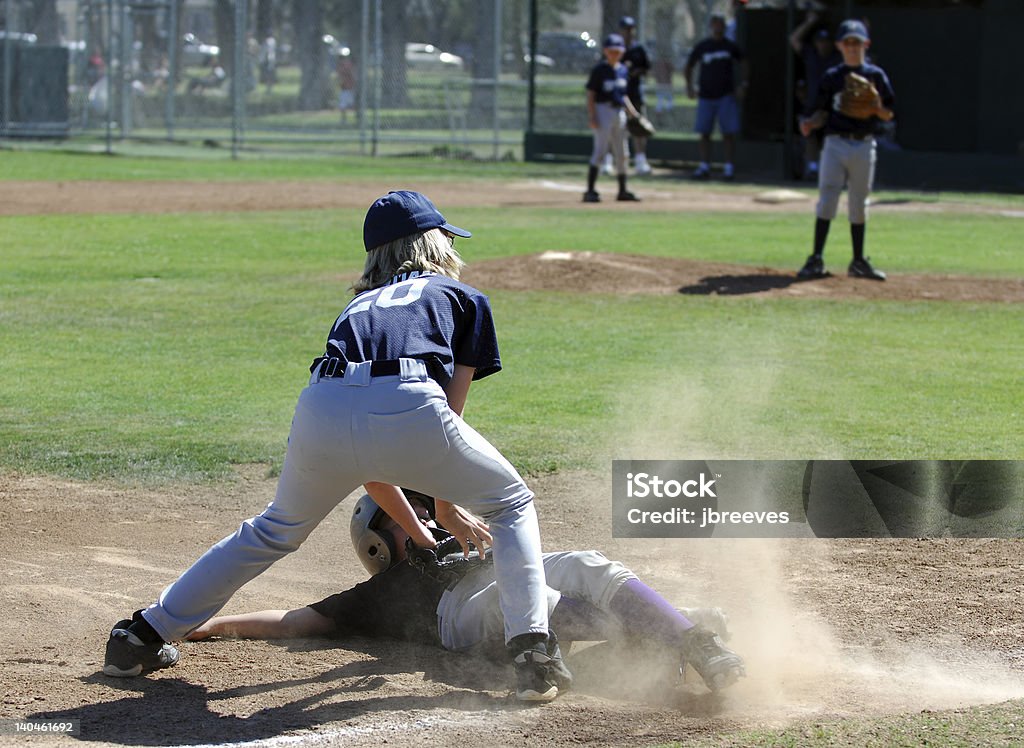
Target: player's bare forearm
592, 110
395, 505
266, 624
457, 389
631, 110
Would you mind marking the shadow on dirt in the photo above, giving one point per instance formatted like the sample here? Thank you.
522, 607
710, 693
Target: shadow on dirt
165, 711
735, 285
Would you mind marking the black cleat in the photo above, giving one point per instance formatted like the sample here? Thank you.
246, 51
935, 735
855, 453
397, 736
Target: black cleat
128, 656
716, 664
863, 269
813, 268
591, 196
539, 668
627, 197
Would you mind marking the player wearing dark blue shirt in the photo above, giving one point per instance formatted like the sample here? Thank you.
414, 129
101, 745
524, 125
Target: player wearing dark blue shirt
848, 157
638, 63
421, 315
383, 409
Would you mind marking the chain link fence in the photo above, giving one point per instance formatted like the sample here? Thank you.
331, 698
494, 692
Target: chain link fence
361, 76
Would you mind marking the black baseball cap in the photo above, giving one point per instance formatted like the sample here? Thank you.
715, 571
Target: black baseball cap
614, 41
627, 22
854, 29
403, 213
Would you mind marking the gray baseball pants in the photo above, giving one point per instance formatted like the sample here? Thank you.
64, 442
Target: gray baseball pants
468, 614
849, 163
351, 430
610, 135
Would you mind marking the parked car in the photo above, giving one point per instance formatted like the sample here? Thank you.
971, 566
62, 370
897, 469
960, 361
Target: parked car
18, 36
508, 62
428, 57
571, 51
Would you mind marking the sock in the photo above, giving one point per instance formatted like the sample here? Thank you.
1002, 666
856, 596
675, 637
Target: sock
622, 183
591, 178
141, 628
643, 612
821, 227
579, 620
857, 235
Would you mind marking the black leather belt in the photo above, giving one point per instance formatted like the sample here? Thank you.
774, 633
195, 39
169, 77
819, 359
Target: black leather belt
335, 367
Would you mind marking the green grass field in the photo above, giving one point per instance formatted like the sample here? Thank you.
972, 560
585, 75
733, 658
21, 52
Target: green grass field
167, 348
224, 312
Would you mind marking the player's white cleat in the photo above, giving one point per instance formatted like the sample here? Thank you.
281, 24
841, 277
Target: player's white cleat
642, 167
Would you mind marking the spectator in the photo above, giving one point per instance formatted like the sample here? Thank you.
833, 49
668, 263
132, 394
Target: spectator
817, 56
96, 67
730, 28
719, 94
268, 63
346, 71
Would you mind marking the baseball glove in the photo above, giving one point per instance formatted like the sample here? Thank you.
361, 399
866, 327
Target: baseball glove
859, 98
444, 562
640, 127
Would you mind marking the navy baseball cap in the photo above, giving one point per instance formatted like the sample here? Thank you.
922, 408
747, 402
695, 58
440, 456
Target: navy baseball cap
627, 22
852, 29
403, 213
614, 41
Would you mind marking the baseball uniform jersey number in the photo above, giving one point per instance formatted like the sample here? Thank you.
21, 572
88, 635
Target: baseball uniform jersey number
387, 296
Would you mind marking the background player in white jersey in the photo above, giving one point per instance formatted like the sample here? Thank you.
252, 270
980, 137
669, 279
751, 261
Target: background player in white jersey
383, 409
590, 598
848, 156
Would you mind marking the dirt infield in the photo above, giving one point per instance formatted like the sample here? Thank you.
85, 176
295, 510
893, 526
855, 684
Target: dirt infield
553, 270
829, 629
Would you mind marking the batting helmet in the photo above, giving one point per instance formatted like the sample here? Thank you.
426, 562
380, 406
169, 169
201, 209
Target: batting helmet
374, 545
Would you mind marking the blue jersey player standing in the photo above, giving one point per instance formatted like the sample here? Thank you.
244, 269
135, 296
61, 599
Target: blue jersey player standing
382, 409
848, 156
607, 107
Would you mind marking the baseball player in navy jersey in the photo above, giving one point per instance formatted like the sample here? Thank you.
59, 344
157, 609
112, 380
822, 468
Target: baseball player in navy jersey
848, 156
383, 409
607, 107
638, 63
718, 94
590, 598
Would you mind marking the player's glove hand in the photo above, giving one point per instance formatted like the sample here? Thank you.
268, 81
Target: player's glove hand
444, 562
640, 127
859, 98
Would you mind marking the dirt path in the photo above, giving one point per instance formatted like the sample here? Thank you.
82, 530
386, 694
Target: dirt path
829, 628
40, 198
